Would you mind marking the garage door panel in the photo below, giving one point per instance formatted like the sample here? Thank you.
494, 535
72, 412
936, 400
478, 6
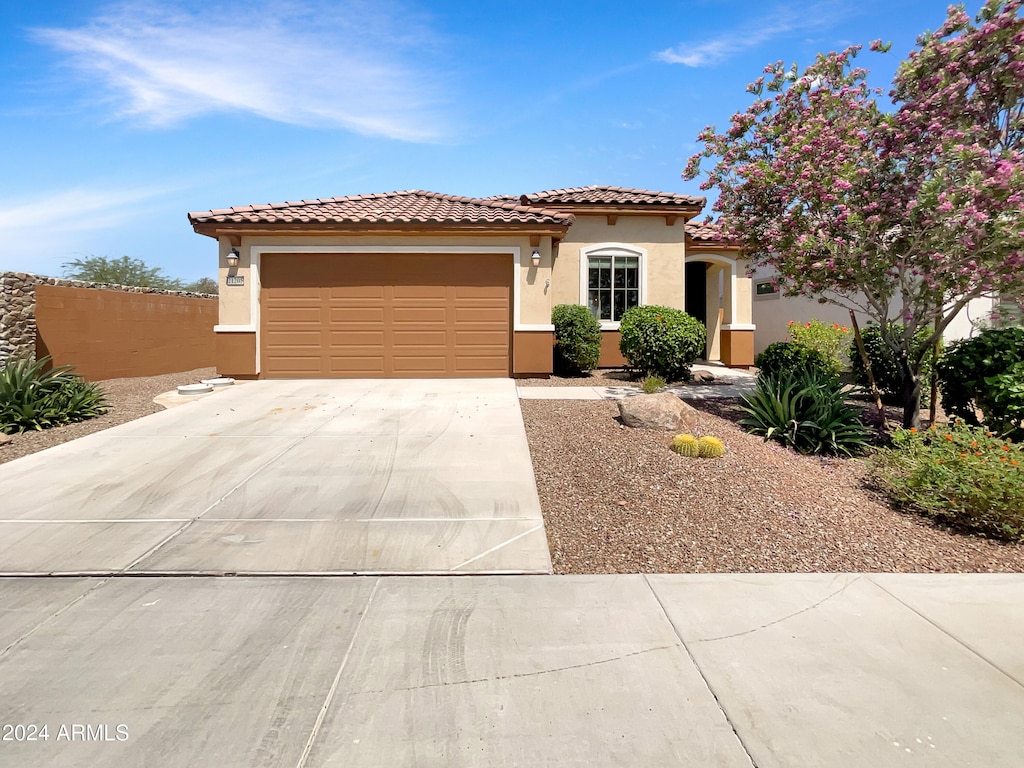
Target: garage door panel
285, 339
436, 364
343, 315
355, 338
293, 315
405, 292
418, 338
490, 315
300, 295
358, 292
386, 315
496, 339
368, 366
497, 293
420, 315
291, 363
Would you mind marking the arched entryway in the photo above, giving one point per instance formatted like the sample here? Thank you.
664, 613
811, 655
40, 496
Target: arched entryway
709, 295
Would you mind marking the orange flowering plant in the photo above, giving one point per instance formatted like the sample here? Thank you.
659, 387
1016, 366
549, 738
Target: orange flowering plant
959, 474
831, 339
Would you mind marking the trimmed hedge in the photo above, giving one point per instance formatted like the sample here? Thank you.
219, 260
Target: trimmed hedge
661, 341
577, 339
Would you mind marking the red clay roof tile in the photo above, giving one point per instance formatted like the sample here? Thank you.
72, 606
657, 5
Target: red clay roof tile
407, 206
611, 196
701, 230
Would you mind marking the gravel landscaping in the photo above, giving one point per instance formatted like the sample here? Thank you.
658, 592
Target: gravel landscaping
616, 500
129, 399
604, 377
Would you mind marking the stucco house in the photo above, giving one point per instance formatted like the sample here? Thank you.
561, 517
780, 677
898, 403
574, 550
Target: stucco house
422, 284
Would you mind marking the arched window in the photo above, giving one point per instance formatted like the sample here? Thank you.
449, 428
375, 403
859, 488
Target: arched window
613, 278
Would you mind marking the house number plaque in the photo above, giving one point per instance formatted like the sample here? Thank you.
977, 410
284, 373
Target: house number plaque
236, 279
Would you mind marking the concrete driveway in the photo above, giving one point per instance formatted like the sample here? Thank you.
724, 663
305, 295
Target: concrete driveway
288, 477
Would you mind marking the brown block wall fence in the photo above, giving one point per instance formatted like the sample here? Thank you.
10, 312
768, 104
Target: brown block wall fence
105, 331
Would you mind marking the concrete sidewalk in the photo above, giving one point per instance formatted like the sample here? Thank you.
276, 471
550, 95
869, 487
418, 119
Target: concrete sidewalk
729, 382
688, 670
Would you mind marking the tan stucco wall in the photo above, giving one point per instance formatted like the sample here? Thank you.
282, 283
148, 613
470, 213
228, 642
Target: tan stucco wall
236, 355
534, 295
234, 300
532, 353
663, 244
743, 295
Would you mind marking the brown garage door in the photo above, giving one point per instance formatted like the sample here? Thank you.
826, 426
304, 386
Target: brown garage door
385, 315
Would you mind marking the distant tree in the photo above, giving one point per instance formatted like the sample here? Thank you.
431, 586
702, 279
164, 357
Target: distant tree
202, 285
904, 216
123, 271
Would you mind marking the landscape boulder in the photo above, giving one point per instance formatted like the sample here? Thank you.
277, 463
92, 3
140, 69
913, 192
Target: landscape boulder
661, 411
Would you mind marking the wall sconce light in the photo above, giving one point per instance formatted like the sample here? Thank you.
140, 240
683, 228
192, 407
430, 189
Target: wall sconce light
535, 257
233, 258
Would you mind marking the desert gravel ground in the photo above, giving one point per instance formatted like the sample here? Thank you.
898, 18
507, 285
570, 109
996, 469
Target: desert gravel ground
129, 399
602, 377
617, 500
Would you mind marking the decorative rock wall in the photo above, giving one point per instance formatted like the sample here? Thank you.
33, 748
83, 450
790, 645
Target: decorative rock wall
18, 304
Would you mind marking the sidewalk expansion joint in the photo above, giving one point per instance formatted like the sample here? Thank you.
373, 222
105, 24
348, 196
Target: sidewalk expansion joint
707, 683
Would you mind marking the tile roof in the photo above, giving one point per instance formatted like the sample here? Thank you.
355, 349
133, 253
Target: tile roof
411, 206
708, 233
703, 230
611, 196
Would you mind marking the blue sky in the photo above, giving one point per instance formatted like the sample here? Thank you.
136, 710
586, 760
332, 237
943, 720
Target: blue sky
117, 119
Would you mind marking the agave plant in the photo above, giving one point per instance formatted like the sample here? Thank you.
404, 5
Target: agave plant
32, 397
805, 411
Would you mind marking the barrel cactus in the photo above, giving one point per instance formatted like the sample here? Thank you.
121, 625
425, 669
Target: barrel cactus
686, 445
709, 447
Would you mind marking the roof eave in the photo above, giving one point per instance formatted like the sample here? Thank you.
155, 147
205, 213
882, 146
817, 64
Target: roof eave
640, 209
215, 229
712, 245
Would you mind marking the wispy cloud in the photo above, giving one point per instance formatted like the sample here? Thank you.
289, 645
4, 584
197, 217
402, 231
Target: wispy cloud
42, 230
357, 65
781, 21
75, 209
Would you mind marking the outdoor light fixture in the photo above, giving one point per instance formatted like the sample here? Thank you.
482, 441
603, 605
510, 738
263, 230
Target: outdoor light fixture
233, 258
535, 257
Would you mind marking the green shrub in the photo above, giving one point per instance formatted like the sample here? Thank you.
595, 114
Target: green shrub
830, 339
652, 384
884, 367
577, 339
962, 475
790, 357
806, 412
986, 373
31, 398
709, 447
661, 341
686, 445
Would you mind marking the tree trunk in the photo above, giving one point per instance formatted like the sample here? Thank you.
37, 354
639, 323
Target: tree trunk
911, 395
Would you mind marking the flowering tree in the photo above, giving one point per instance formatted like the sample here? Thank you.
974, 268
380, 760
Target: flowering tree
904, 216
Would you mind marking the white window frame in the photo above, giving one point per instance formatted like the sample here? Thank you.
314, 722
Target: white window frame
611, 249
